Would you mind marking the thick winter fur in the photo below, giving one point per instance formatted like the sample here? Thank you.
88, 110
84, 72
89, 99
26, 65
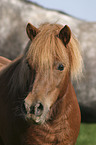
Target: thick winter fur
35, 76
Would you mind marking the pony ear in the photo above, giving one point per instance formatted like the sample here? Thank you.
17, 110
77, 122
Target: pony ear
31, 31
65, 34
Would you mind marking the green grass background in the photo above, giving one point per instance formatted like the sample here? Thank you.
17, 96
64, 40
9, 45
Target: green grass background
87, 135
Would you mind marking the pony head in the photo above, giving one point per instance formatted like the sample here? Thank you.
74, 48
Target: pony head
55, 58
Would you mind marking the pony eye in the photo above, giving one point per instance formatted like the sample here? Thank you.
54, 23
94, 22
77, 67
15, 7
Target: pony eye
61, 67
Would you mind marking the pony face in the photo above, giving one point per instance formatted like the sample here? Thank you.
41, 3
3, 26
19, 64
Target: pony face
51, 57
47, 89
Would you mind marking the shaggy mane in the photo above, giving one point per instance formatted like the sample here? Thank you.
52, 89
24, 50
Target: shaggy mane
46, 48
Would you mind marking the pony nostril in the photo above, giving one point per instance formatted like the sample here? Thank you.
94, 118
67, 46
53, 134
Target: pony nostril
36, 109
32, 109
23, 108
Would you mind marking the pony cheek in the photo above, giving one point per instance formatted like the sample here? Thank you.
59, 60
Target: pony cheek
60, 81
52, 98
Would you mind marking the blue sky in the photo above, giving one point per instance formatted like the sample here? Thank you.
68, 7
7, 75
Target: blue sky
83, 9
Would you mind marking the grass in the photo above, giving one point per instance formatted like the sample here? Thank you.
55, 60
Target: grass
87, 135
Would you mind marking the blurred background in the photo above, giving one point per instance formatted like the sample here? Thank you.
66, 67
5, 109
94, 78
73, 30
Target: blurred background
81, 9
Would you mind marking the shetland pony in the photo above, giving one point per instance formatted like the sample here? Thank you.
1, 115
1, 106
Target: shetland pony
38, 105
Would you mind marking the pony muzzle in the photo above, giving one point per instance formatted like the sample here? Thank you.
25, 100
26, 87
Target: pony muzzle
35, 111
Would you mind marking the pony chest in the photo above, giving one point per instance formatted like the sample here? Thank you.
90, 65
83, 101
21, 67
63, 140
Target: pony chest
50, 135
